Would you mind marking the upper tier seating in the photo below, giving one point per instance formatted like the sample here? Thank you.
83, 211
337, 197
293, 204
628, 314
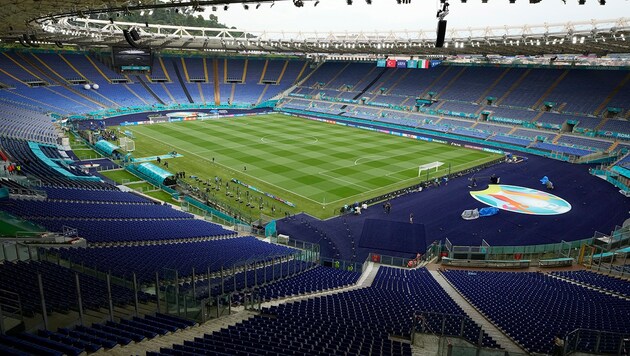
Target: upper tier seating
87, 210
99, 231
80, 194
203, 255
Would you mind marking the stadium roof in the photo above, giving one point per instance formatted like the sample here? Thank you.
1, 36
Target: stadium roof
32, 22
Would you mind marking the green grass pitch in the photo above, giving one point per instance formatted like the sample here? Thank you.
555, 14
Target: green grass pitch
317, 166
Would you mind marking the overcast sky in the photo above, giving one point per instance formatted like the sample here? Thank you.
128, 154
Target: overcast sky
382, 15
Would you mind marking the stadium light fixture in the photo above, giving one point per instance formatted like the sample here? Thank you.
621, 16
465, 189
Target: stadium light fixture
349, 2
257, 6
273, 3
369, 2
225, 8
297, 3
602, 2
581, 2
316, 3
245, 6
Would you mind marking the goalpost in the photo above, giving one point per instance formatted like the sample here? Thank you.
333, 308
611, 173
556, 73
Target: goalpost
428, 166
127, 144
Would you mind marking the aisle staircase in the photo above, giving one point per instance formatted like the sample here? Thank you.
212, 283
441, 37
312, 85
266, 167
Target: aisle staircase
504, 341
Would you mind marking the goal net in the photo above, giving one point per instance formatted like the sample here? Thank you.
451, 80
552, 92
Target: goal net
127, 144
429, 166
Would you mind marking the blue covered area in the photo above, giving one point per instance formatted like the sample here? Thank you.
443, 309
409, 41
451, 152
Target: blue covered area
489, 211
393, 237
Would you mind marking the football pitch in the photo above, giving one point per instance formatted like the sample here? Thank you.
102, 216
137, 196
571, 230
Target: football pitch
319, 167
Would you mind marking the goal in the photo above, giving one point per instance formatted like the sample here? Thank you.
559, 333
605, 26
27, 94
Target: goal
127, 144
428, 166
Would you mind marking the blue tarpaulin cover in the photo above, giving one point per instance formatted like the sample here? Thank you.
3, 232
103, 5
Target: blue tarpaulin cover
489, 211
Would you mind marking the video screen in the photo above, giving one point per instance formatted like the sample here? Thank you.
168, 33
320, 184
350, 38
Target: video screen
127, 58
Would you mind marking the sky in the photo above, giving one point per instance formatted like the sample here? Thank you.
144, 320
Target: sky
383, 15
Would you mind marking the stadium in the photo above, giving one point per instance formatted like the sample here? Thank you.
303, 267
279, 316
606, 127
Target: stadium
171, 185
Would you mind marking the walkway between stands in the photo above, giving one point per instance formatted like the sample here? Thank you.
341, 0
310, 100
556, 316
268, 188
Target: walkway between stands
141, 348
367, 277
238, 315
505, 342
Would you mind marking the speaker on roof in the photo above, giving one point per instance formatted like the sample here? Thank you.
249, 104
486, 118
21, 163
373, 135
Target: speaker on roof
134, 34
129, 39
441, 34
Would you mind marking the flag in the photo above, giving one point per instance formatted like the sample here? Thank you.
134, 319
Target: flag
423, 64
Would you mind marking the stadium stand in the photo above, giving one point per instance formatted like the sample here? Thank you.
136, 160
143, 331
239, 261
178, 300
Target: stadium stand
146, 260
129, 234
605, 283
127, 230
329, 324
316, 279
94, 338
59, 286
533, 307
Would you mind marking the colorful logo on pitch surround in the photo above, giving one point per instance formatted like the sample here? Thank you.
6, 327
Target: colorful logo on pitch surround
522, 200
